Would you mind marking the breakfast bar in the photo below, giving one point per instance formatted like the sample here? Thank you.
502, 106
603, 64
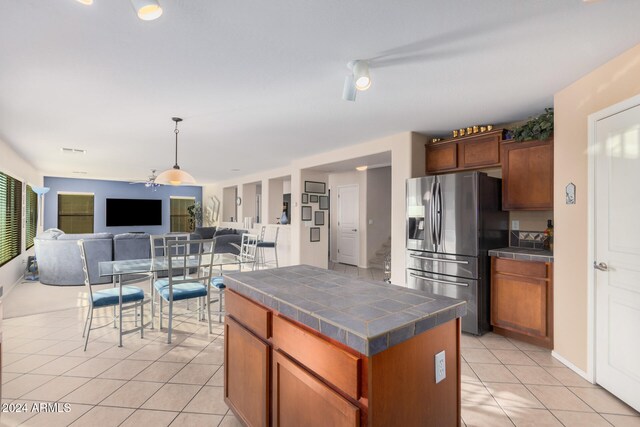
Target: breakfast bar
308, 346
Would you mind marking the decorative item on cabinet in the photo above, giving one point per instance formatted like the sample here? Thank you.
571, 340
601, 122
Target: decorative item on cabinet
537, 128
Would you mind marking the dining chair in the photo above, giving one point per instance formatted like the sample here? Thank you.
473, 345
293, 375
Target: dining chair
267, 244
133, 296
247, 255
189, 268
159, 249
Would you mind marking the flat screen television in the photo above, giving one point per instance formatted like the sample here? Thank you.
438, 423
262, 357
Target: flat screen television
132, 212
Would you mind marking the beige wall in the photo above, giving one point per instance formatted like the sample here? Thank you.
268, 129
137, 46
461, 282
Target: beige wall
349, 178
12, 164
611, 83
378, 209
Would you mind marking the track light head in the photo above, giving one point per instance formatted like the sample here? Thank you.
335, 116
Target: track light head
85, 2
349, 90
147, 10
361, 75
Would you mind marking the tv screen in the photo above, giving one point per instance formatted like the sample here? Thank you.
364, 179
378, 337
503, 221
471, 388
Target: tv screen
130, 212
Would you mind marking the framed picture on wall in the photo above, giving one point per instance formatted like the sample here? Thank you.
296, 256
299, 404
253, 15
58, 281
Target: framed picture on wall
315, 234
305, 198
315, 187
318, 218
323, 203
313, 198
307, 213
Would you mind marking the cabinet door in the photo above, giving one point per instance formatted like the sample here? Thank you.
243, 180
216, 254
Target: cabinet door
246, 377
481, 151
527, 175
442, 157
521, 302
299, 399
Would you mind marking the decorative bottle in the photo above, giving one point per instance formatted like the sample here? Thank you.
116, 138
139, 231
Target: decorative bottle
548, 241
283, 218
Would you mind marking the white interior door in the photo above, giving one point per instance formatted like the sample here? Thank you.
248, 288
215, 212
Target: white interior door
617, 251
348, 220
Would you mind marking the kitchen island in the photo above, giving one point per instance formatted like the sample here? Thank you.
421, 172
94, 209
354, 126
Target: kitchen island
306, 346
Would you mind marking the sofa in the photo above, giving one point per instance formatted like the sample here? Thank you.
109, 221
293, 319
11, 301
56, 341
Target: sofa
59, 260
224, 238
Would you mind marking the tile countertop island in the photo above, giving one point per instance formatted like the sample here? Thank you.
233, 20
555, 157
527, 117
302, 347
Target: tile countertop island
308, 346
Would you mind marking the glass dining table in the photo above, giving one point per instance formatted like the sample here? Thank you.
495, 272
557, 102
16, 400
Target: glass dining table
160, 264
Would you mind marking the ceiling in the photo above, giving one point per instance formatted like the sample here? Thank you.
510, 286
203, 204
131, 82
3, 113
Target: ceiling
259, 83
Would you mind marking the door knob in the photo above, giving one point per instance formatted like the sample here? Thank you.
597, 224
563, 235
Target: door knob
601, 266
355, 229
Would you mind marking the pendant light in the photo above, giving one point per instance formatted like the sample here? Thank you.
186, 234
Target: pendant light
147, 10
175, 176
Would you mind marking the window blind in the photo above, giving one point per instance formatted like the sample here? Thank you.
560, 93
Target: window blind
10, 218
179, 216
31, 218
75, 213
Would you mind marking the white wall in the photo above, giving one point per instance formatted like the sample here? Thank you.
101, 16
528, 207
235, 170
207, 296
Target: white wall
248, 202
12, 164
349, 178
378, 209
276, 190
407, 161
229, 208
312, 253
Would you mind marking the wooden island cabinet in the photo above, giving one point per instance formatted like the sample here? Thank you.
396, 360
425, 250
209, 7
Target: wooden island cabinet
282, 372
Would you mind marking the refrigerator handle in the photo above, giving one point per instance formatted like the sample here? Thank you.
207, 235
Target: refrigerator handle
439, 211
432, 213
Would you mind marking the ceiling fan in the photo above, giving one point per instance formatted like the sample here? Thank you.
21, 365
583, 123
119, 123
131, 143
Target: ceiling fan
150, 182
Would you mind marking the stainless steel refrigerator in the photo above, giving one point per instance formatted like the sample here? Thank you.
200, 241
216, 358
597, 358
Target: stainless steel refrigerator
452, 222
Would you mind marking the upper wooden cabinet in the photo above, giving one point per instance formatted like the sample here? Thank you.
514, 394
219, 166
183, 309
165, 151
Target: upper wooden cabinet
469, 152
527, 175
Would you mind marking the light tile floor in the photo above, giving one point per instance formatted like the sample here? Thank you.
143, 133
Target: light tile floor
148, 382
507, 382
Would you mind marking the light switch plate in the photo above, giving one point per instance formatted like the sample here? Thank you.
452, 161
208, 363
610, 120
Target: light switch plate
515, 225
441, 368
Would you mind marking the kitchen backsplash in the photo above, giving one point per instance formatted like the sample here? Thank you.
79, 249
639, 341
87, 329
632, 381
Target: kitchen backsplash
527, 239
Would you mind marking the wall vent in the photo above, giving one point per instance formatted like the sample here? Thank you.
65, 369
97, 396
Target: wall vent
73, 151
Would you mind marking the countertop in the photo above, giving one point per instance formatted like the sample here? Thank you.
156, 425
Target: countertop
366, 316
523, 254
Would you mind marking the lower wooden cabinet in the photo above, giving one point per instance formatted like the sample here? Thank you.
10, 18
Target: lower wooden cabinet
300, 399
522, 300
246, 376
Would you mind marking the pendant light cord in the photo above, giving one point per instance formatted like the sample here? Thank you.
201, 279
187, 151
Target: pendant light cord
176, 131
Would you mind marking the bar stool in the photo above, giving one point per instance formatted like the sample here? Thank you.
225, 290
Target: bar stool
268, 244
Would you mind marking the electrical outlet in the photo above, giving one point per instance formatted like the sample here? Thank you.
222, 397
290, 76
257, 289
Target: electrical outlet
441, 368
515, 225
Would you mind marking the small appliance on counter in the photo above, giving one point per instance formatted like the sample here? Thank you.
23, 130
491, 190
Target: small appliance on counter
453, 220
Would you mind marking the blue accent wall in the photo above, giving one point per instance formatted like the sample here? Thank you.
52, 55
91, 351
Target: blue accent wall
104, 190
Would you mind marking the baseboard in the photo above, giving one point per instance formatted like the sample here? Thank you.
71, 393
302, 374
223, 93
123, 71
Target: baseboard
6, 291
573, 367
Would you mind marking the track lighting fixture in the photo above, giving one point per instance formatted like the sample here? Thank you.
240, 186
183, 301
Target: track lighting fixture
147, 10
359, 79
